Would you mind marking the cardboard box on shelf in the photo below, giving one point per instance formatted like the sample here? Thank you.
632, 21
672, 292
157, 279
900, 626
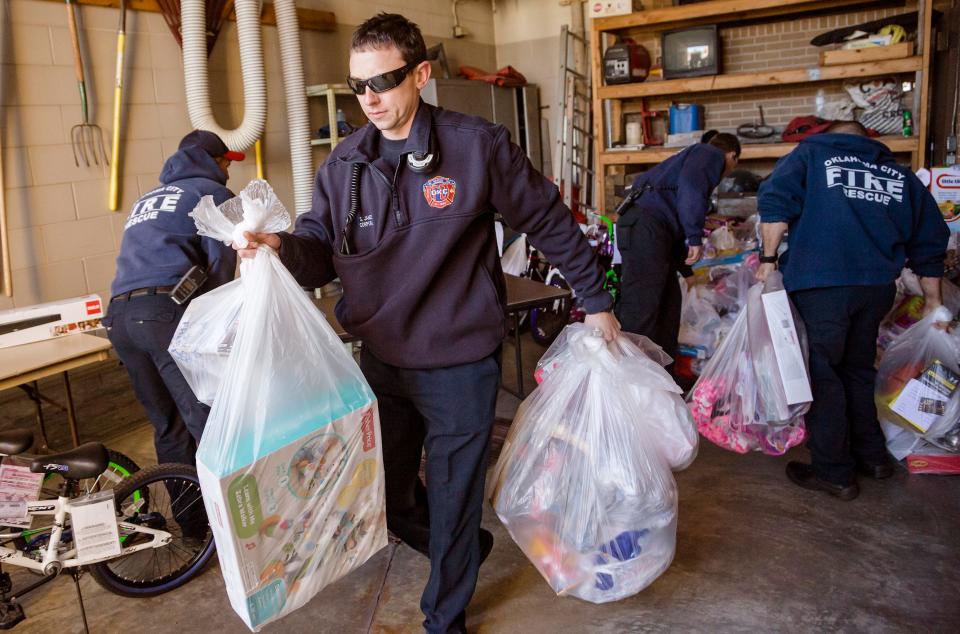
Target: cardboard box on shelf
53, 319
945, 187
607, 8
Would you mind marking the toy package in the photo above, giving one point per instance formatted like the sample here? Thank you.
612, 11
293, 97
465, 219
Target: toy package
289, 463
908, 307
750, 396
917, 387
583, 483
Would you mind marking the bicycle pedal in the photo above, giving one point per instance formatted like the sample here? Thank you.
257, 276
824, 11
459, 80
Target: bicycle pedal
11, 613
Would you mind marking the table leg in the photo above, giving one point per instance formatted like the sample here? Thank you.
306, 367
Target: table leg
71, 413
517, 353
35, 397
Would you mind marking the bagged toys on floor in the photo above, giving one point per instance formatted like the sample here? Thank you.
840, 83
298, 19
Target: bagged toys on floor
289, 462
917, 387
583, 483
753, 393
908, 307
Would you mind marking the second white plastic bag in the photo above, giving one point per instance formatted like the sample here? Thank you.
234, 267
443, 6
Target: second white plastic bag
583, 482
740, 401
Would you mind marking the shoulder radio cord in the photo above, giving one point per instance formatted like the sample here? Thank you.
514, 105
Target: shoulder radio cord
354, 208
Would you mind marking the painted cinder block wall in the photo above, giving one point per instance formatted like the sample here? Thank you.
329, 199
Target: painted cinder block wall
64, 240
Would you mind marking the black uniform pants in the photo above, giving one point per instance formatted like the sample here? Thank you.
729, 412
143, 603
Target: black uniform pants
842, 324
650, 297
448, 412
140, 329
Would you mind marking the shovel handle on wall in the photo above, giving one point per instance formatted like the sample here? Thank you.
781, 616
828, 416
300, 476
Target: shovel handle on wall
114, 201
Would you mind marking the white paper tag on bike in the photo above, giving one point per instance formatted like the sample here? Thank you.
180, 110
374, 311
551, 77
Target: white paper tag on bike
18, 485
94, 521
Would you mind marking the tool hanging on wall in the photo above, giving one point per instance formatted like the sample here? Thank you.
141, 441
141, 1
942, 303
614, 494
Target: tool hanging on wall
114, 199
86, 137
5, 235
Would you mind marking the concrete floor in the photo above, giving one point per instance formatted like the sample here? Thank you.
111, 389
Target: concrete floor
754, 553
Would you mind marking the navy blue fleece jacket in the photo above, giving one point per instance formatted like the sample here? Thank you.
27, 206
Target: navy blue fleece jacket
422, 285
678, 190
855, 216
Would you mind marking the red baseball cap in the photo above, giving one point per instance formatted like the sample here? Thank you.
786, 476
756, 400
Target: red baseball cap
211, 144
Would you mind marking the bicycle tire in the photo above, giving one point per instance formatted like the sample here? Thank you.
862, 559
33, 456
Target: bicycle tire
107, 573
547, 323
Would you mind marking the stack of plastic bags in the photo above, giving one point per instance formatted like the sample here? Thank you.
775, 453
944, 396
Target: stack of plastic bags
584, 482
917, 394
752, 395
289, 462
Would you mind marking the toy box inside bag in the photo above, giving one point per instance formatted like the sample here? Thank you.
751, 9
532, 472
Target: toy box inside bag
917, 395
289, 463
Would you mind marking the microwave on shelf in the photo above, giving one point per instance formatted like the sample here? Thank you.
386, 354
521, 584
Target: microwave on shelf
690, 52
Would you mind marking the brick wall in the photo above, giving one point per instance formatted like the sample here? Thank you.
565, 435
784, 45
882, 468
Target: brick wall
774, 45
777, 45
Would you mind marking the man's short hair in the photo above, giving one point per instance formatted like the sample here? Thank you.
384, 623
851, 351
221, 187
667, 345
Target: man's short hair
391, 29
847, 127
726, 142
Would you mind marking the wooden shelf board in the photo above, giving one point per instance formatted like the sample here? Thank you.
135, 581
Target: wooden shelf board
320, 90
733, 81
750, 151
308, 19
716, 11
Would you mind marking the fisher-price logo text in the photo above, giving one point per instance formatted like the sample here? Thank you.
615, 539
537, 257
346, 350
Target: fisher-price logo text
863, 183
366, 428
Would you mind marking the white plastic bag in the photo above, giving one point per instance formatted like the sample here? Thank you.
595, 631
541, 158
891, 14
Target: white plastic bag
739, 401
205, 335
583, 483
918, 387
289, 462
515, 256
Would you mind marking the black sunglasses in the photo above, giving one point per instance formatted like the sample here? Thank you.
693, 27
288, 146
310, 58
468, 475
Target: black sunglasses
383, 82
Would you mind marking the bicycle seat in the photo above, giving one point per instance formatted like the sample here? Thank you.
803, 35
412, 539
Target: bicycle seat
86, 461
15, 441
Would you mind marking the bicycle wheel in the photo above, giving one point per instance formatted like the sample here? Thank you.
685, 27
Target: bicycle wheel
165, 497
546, 322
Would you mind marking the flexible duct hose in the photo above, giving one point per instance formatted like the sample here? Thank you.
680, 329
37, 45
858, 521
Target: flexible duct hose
193, 28
298, 116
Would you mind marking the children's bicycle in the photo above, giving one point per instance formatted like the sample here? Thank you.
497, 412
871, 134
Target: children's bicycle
160, 523
548, 321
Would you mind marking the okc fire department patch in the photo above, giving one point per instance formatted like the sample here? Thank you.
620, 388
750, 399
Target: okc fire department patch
440, 191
